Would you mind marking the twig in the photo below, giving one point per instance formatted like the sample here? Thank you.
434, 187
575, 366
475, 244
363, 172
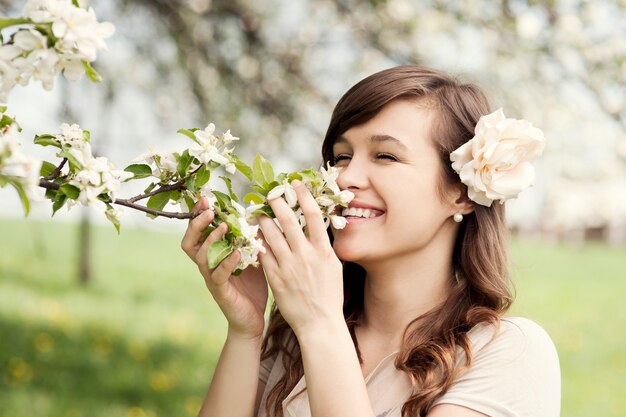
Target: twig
56, 171
169, 214
180, 185
49, 185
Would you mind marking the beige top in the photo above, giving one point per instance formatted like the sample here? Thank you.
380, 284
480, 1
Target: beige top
514, 375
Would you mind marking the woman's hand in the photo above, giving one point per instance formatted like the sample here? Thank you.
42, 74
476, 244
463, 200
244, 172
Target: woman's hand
303, 271
241, 298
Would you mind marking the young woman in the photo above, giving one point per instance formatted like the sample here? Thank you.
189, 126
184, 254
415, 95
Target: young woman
402, 312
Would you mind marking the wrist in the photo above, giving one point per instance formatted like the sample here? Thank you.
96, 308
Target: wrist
240, 338
322, 331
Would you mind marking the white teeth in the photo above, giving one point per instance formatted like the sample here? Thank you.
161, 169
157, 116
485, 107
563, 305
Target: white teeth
357, 212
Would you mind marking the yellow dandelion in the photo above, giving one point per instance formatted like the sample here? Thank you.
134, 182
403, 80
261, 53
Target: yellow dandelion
102, 345
160, 381
43, 342
137, 350
20, 370
192, 405
135, 412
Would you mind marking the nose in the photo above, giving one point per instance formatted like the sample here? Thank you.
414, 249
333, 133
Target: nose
352, 176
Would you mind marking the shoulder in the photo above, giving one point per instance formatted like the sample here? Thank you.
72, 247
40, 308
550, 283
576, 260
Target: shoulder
511, 337
514, 371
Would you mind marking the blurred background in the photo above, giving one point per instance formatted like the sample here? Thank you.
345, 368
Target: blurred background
94, 324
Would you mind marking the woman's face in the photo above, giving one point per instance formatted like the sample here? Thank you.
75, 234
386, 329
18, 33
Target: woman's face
392, 166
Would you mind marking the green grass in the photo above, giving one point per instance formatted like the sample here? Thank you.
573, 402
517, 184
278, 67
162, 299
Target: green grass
144, 337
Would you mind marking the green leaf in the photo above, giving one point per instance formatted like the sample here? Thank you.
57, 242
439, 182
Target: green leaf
257, 171
218, 251
75, 3
183, 163
51, 194
268, 170
5, 23
242, 167
189, 133
253, 198
189, 182
139, 171
222, 199
202, 176
233, 225
47, 140
58, 202
150, 188
6, 121
86, 135
47, 168
20, 191
229, 185
74, 163
209, 229
70, 191
92, 74
158, 201
259, 189
265, 210
112, 218
269, 187
189, 201
308, 174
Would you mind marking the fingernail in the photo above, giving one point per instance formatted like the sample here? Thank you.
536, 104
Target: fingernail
296, 183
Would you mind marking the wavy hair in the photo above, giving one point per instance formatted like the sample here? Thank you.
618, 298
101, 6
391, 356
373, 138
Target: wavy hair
481, 290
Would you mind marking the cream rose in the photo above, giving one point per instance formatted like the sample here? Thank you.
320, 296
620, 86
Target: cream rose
496, 164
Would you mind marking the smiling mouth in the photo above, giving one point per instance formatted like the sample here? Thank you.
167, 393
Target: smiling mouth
360, 213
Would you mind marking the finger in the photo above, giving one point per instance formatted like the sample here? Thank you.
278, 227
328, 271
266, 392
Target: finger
289, 223
193, 234
201, 257
268, 261
200, 205
312, 214
225, 269
274, 238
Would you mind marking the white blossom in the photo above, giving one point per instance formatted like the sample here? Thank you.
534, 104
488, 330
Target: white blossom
251, 246
228, 137
72, 135
163, 164
97, 176
17, 165
285, 189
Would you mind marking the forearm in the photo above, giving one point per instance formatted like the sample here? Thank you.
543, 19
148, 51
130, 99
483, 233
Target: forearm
334, 379
233, 388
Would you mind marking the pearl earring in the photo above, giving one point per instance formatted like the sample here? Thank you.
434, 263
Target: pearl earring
458, 217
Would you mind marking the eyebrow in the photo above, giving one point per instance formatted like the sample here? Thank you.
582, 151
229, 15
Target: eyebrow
377, 139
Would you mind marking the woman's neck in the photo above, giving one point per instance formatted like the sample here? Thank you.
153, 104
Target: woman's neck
401, 289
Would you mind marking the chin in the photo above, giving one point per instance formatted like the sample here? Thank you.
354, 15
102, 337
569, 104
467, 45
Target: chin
347, 252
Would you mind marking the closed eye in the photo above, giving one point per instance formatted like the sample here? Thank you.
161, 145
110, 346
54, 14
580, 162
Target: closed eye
340, 157
381, 155
386, 156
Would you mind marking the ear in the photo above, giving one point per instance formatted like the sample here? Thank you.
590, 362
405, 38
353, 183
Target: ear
459, 201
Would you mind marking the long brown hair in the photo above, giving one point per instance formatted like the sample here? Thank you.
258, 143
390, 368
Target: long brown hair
481, 291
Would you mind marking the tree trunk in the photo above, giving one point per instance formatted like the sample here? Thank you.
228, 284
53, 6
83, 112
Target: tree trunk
84, 248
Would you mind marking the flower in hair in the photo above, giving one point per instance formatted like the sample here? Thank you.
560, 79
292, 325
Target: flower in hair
496, 164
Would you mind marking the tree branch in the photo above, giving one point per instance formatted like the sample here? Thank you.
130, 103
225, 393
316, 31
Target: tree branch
168, 214
49, 185
56, 172
180, 185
